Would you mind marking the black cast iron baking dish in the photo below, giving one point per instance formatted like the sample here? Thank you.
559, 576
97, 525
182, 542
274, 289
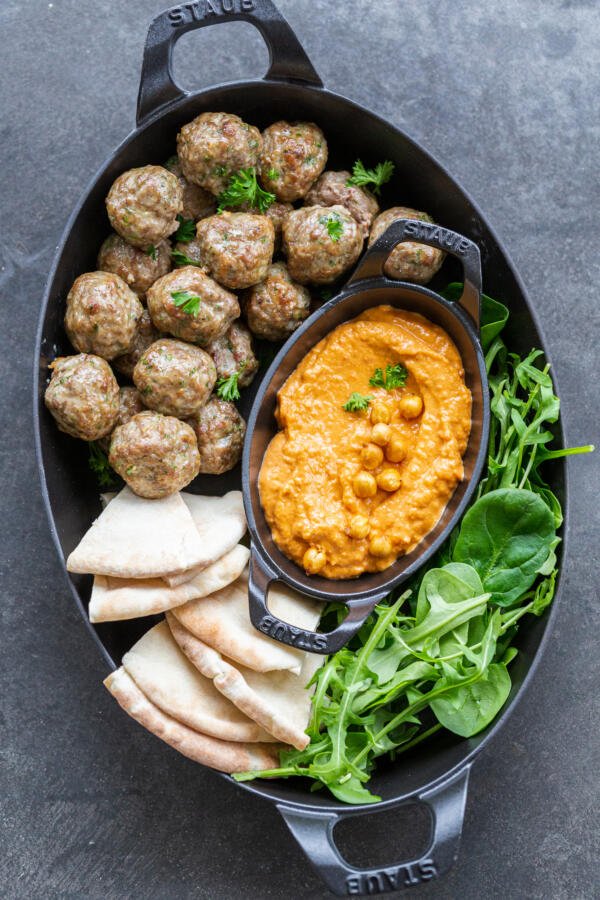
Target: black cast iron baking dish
435, 774
368, 287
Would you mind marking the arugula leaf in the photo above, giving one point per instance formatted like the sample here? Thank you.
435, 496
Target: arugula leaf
395, 377
100, 466
243, 188
375, 177
187, 301
180, 259
334, 225
227, 388
186, 231
357, 402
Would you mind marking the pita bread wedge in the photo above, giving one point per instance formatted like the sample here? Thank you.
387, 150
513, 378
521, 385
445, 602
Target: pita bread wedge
279, 701
138, 538
221, 524
225, 756
167, 678
114, 599
223, 622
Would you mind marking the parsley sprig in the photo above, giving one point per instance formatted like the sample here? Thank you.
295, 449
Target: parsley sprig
374, 177
243, 188
395, 377
152, 252
227, 388
187, 301
100, 466
181, 259
186, 231
334, 225
357, 402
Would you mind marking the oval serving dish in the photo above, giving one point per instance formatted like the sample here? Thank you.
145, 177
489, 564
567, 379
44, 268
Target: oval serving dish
437, 773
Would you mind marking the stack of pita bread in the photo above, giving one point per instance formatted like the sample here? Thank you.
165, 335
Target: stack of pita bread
202, 679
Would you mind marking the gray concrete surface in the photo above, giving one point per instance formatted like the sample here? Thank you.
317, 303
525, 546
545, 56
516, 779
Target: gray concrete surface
507, 95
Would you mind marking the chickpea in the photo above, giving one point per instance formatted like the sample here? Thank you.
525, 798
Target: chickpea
380, 546
380, 413
381, 434
364, 485
359, 527
396, 449
313, 560
389, 480
410, 406
371, 456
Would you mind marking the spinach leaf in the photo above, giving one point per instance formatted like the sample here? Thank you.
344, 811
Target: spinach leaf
506, 536
467, 710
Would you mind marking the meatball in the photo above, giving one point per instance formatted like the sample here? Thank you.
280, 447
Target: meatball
321, 242
197, 203
175, 378
276, 307
220, 431
102, 315
83, 396
145, 334
408, 261
332, 188
191, 306
277, 212
234, 353
130, 404
138, 269
236, 248
293, 156
214, 146
156, 455
143, 205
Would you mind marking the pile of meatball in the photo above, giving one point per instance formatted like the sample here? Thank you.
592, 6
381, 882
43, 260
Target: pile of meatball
174, 332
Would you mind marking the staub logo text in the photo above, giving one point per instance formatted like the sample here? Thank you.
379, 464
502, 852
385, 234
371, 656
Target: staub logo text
386, 880
435, 233
288, 634
203, 9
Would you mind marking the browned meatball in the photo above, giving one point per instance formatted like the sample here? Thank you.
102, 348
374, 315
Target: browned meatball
197, 203
214, 146
293, 156
145, 334
156, 455
102, 314
277, 213
408, 261
220, 431
332, 188
233, 353
130, 404
83, 396
138, 268
143, 205
321, 243
276, 307
191, 306
236, 248
175, 378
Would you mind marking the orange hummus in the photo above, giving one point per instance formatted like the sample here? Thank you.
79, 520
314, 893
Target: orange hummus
346, 492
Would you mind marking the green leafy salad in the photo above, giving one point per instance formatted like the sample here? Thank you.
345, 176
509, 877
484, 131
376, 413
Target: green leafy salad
437, 655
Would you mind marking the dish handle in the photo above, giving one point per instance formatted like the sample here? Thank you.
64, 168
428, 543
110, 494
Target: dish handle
466, 251
287, 59
262, 575
314, 831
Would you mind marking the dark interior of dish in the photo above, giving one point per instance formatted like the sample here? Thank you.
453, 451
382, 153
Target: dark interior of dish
352, 132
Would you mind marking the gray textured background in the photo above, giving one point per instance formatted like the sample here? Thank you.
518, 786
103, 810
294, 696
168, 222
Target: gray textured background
506, 95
